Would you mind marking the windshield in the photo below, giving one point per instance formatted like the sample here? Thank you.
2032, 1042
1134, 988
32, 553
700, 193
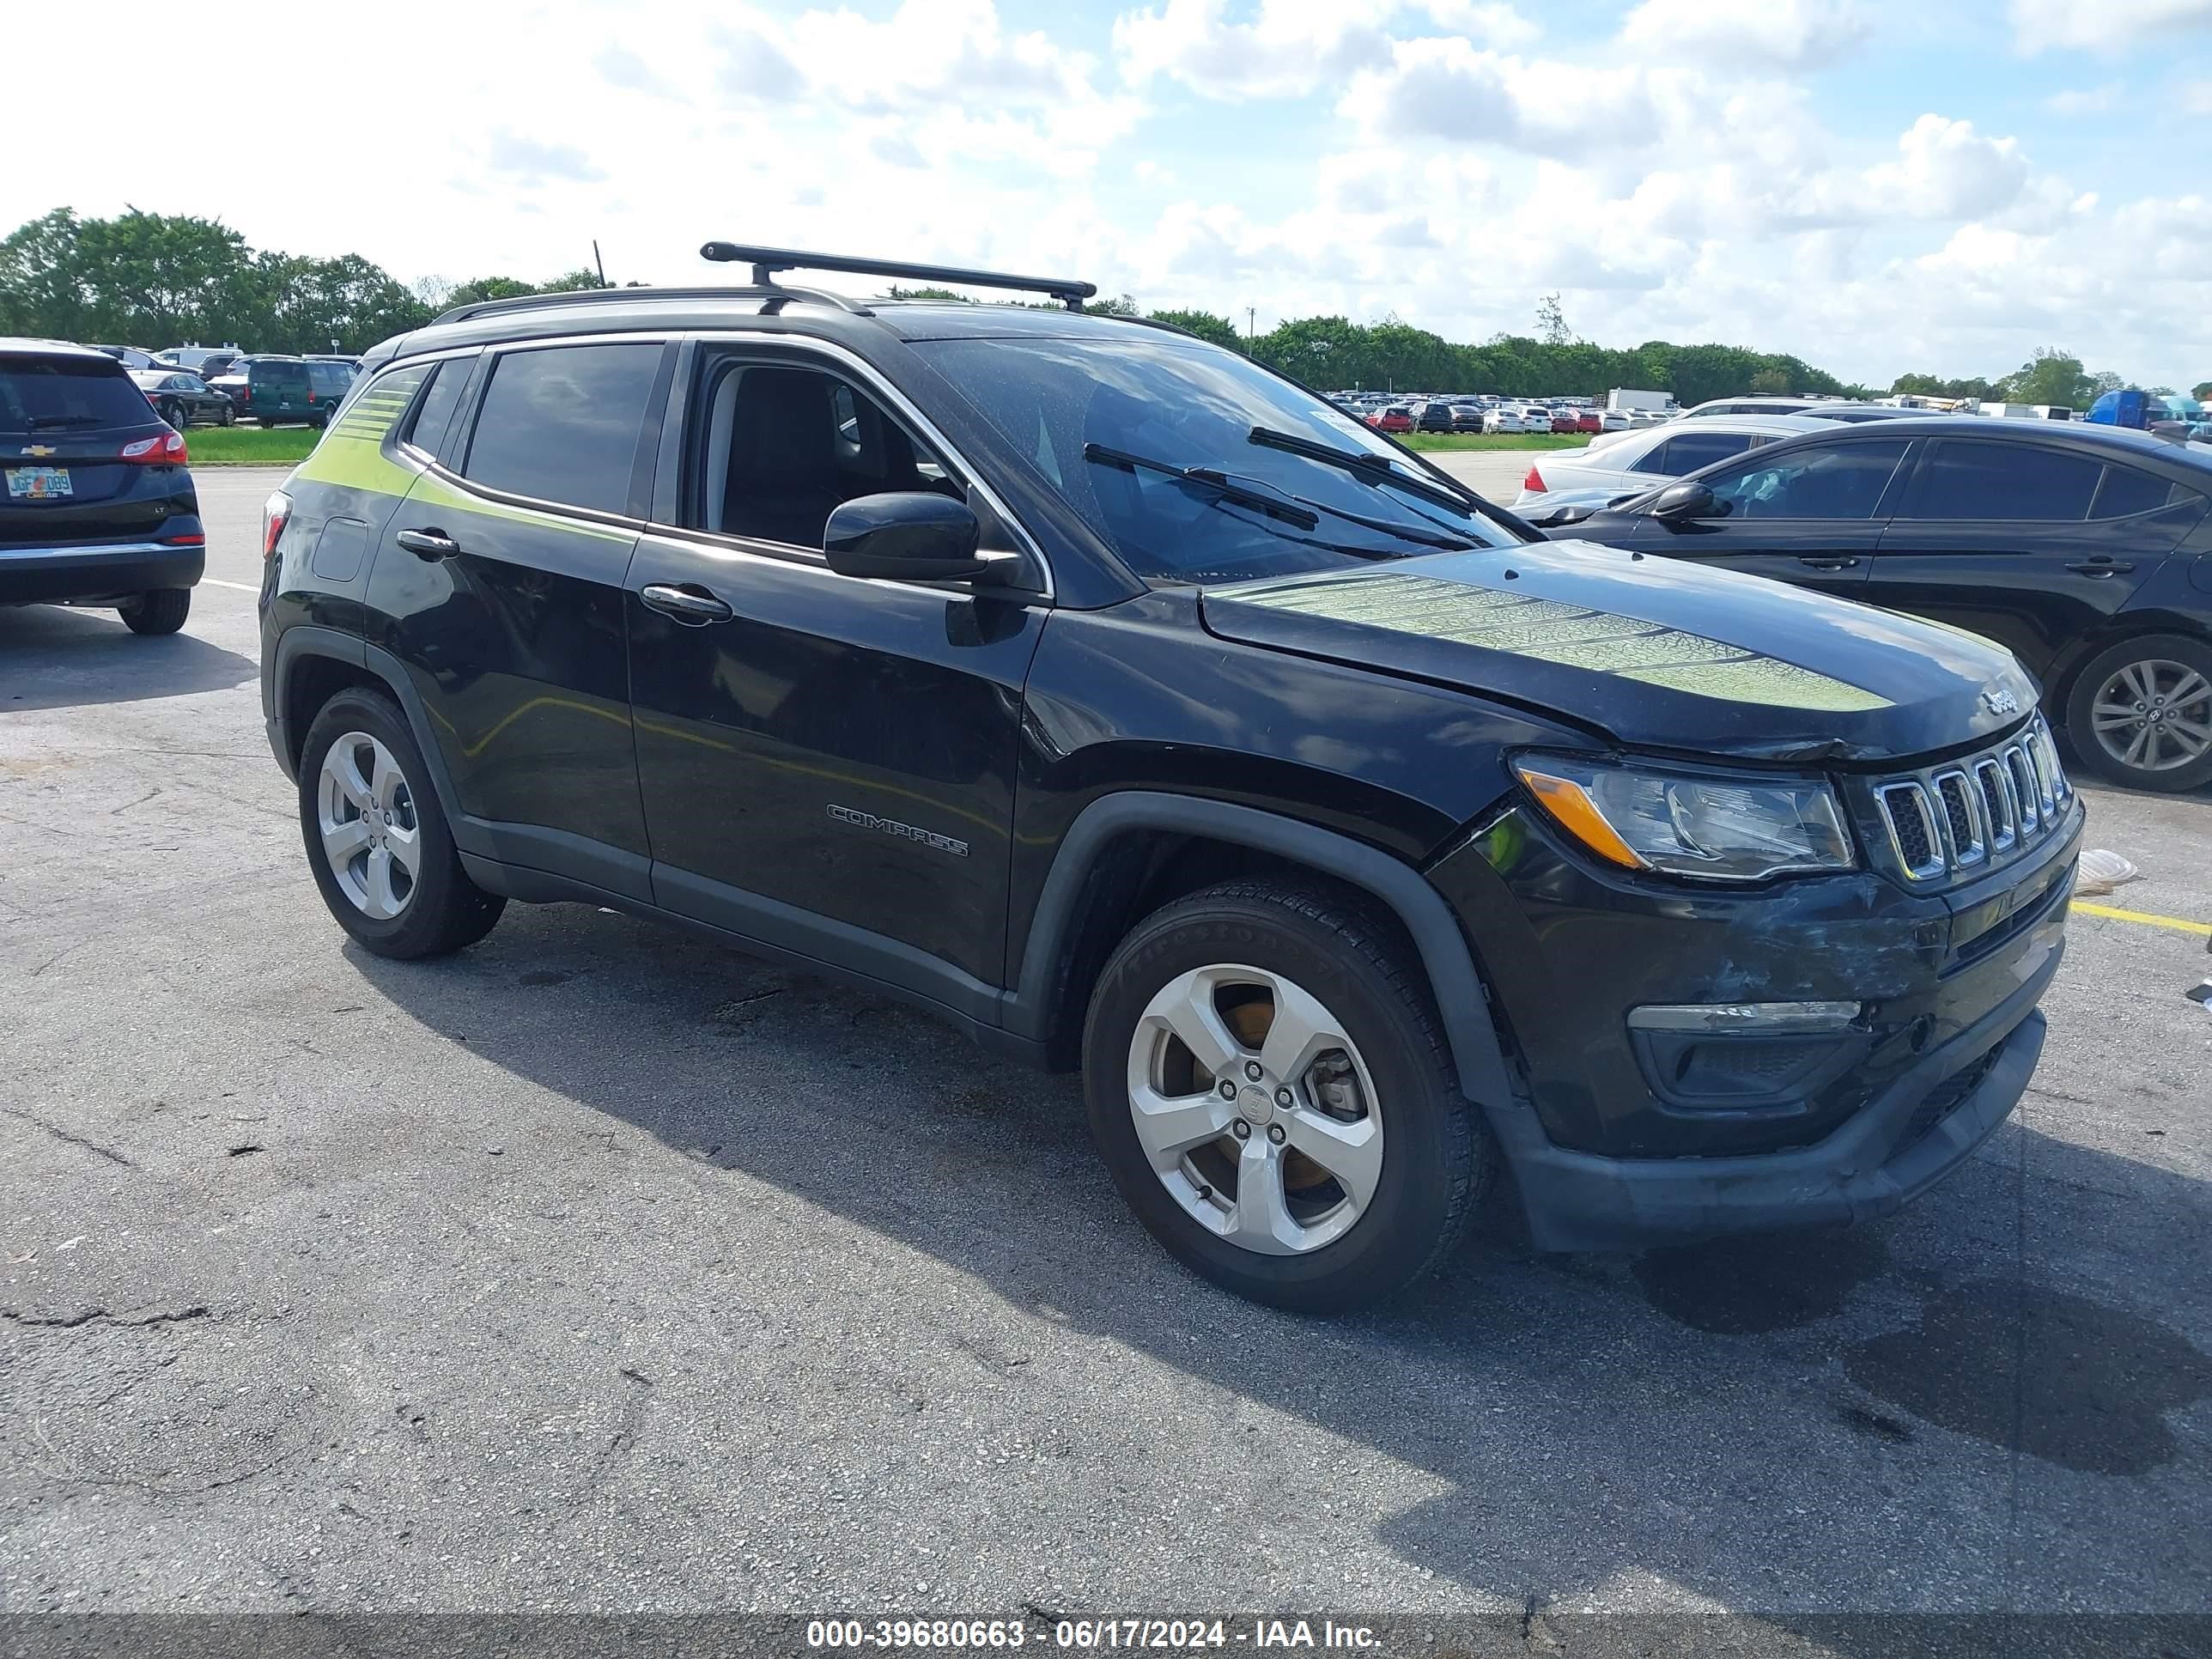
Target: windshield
57, 394
1117, 426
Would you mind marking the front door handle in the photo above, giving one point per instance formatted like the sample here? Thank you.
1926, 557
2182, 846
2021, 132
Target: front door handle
690, 604
2101, 566
429, 545
1840, 561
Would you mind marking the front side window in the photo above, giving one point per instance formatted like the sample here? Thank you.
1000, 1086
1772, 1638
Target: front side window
1823, 481
2018, 481
784, 446
561, 424
1174, 453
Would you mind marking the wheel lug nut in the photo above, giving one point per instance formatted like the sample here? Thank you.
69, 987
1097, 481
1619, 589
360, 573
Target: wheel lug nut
1227, 1089
1275, 1133
1241, 1129
1282, 1097
1252, 1070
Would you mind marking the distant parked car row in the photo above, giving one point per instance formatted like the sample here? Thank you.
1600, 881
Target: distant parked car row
221, 385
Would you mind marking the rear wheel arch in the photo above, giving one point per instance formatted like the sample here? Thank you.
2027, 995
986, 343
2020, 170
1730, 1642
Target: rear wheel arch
314, 664
1132, 851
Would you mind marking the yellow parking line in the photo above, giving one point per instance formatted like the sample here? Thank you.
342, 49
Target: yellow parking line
2144, 917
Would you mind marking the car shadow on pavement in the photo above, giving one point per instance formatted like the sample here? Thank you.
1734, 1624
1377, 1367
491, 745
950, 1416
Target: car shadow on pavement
52, 657
1955, 1408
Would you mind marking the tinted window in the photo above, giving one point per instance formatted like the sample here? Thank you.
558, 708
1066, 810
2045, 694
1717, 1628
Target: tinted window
1826, 481
2006, 481
280, 377
50, 394
448, 380
1177, 405
1686, 452
2125, 491
562, 424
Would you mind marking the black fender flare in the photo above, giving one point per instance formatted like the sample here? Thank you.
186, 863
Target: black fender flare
310, 639
1484, 1075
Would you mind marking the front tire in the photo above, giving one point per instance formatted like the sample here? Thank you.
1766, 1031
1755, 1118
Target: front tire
229, 415
2140, 713
1342, 1163
377, 837
161, 612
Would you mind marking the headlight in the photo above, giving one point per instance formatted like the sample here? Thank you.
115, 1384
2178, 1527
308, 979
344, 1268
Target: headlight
1721, 827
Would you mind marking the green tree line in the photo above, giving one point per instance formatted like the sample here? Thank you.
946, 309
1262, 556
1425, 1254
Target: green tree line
156, 280
2053, 375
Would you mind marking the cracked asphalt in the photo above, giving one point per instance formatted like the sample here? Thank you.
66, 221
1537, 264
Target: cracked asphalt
598, 1269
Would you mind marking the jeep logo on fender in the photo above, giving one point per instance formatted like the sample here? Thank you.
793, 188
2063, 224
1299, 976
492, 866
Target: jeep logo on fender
860, 820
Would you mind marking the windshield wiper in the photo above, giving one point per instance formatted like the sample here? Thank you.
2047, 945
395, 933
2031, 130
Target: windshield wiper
37, 422
1225, 487
1375, 469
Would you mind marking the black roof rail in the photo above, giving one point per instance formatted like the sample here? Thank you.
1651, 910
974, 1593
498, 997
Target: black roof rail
767, 261
604, 295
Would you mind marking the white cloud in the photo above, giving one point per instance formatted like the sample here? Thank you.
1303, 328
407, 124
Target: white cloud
1789, 34
535, 162
1442, 87
1945, 170
2102, 25
2086, 100
1289, 48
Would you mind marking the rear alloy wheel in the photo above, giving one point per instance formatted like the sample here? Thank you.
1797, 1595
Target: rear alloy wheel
2141, 713
229, 414
161, 612
1269, 1085
175, 416
376, 835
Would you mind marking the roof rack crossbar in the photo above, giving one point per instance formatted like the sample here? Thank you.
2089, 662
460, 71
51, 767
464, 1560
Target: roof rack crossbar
767, 261
617, 295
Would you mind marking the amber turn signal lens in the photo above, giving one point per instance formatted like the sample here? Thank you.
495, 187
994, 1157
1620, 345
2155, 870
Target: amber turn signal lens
1572, 810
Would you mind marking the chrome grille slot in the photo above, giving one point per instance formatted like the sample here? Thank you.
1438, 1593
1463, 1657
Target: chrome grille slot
1911, 823
2025, 793
1962, 819
1997, 804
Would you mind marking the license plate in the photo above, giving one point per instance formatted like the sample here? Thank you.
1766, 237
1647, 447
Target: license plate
38, 483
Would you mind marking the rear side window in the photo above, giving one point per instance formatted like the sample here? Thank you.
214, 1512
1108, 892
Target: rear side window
1686, 452
61, 394
561, 424
2017, 482
1823, 481
2126, 492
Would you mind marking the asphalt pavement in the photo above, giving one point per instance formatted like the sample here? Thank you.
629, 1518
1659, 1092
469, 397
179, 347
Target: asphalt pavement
597, 1268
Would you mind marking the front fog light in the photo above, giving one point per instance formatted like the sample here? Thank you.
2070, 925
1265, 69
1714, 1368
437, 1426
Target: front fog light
1687, 823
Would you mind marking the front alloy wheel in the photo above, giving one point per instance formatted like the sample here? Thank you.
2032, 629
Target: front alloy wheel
365, 813
1255, 1109
2154, 716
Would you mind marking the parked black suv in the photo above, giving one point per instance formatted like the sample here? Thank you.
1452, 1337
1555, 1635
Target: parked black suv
96, 506
1129, 706
2085, 551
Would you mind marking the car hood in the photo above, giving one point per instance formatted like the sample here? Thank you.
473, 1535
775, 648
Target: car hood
1657, 654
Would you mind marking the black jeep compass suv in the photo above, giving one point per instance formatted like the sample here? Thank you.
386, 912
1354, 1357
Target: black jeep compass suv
1132, 708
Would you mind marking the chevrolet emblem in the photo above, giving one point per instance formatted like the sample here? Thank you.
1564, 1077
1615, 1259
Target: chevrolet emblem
37, 449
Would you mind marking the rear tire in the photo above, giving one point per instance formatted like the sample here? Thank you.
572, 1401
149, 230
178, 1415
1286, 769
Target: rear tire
1371, 1172
229, 415
161, 612
175, 416
2163, 681
395, 816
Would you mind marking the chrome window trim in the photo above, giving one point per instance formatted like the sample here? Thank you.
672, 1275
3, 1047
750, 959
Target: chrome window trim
866, 375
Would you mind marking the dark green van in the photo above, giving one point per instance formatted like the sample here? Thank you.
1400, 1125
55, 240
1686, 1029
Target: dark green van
273, 389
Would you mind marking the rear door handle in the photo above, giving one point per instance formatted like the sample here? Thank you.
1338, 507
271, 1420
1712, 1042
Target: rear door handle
1836, 562
690, 604
429, 545
2101, 566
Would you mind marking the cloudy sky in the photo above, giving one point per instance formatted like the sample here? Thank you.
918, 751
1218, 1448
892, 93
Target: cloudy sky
1876, 185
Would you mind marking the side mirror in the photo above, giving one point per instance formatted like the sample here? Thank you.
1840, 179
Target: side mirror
1679, 503
907, 535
